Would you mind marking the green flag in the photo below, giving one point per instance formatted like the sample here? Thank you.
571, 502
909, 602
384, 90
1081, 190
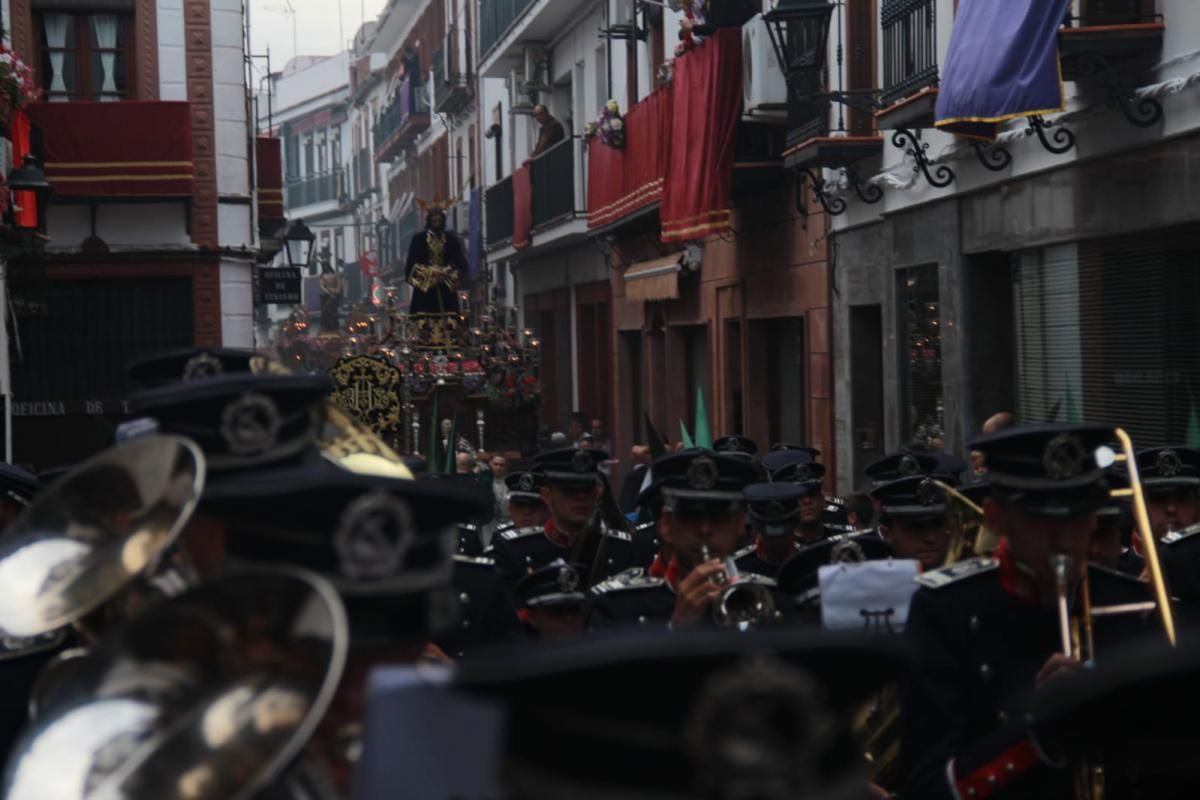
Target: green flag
684, 436
1192, 439
452, 446
432, 467
1073, 417
703, 431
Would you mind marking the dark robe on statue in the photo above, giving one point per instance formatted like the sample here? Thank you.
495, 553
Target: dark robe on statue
436, 269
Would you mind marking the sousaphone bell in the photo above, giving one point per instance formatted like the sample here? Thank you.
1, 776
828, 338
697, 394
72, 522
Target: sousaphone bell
210, 695
99, 542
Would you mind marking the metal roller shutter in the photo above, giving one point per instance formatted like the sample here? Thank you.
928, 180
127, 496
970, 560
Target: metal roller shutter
1108, 331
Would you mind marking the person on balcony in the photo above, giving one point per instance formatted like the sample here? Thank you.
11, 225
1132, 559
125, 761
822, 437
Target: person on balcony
551, 134
436, 266
709, 16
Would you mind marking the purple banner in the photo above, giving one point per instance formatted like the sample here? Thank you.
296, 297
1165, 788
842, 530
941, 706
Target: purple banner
1002, 63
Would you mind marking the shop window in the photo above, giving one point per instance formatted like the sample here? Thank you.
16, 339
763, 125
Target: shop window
921, 338
85, 56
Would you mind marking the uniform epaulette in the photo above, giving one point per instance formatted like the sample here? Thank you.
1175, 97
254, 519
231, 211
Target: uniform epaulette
635, 578
645, 526
754, 577
745, 551
616, 534
939, 578
475, 560
520, 533
1175, 537
468, 527
505, 526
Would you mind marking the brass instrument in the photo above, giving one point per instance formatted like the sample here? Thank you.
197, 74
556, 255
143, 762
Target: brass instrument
356, 448
969, 537
99, 544
742, 604
213, 694
1076, 627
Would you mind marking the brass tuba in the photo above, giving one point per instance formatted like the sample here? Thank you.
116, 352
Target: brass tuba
213, 694
99, 543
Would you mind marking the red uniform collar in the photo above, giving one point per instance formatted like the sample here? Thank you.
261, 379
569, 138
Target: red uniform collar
1008, 573
658, 567
672, 575
554, 535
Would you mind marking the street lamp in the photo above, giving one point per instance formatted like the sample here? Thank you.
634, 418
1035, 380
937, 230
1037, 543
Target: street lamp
30, 177
799, 31
299, 240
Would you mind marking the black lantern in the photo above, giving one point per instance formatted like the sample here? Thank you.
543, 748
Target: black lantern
30, 177
799, 32
299, 241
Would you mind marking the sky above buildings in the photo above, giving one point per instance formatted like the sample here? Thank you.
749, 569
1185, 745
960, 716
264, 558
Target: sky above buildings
317, 30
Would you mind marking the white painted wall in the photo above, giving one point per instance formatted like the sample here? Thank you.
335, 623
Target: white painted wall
172, 55
237, 304
232, 125
123, 227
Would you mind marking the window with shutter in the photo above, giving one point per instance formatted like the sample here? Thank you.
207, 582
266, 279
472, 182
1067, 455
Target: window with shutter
1107, 333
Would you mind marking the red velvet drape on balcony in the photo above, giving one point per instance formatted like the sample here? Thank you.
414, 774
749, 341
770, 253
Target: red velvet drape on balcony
702, 136
522, 187
621, 182
270, 177
128, 149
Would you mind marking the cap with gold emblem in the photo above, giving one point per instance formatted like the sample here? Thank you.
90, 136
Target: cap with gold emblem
242, 420
794, 466
734, 445
194, 363
1169, 467
568, 467
774, 507
1048, 470
916, 498
699, 476
555, 585
524, 488
386, 544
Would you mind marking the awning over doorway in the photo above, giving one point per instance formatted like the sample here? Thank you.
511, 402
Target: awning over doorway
656, 279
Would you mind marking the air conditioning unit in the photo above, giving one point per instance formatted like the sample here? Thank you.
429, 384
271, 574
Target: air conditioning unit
763, 82
518, 98
536, 66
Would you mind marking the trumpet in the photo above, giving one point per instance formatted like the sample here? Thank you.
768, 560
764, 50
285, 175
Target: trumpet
742, 604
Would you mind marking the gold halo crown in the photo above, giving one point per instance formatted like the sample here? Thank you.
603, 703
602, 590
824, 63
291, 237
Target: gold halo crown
435, 205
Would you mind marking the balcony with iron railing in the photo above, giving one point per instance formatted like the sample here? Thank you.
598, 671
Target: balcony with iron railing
552, 175
452, 71
909, 37
496, 18
309, 190
498, 205
406, 118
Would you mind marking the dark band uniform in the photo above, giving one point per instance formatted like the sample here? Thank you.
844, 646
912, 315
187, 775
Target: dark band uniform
519, 551
980, 645
773, 509
699, 479
1174, 469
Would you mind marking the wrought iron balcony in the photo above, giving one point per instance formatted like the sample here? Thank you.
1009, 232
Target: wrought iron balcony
498, 200
909, 48
402, 121
452, 71
496, 17
311, 189
553, 177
